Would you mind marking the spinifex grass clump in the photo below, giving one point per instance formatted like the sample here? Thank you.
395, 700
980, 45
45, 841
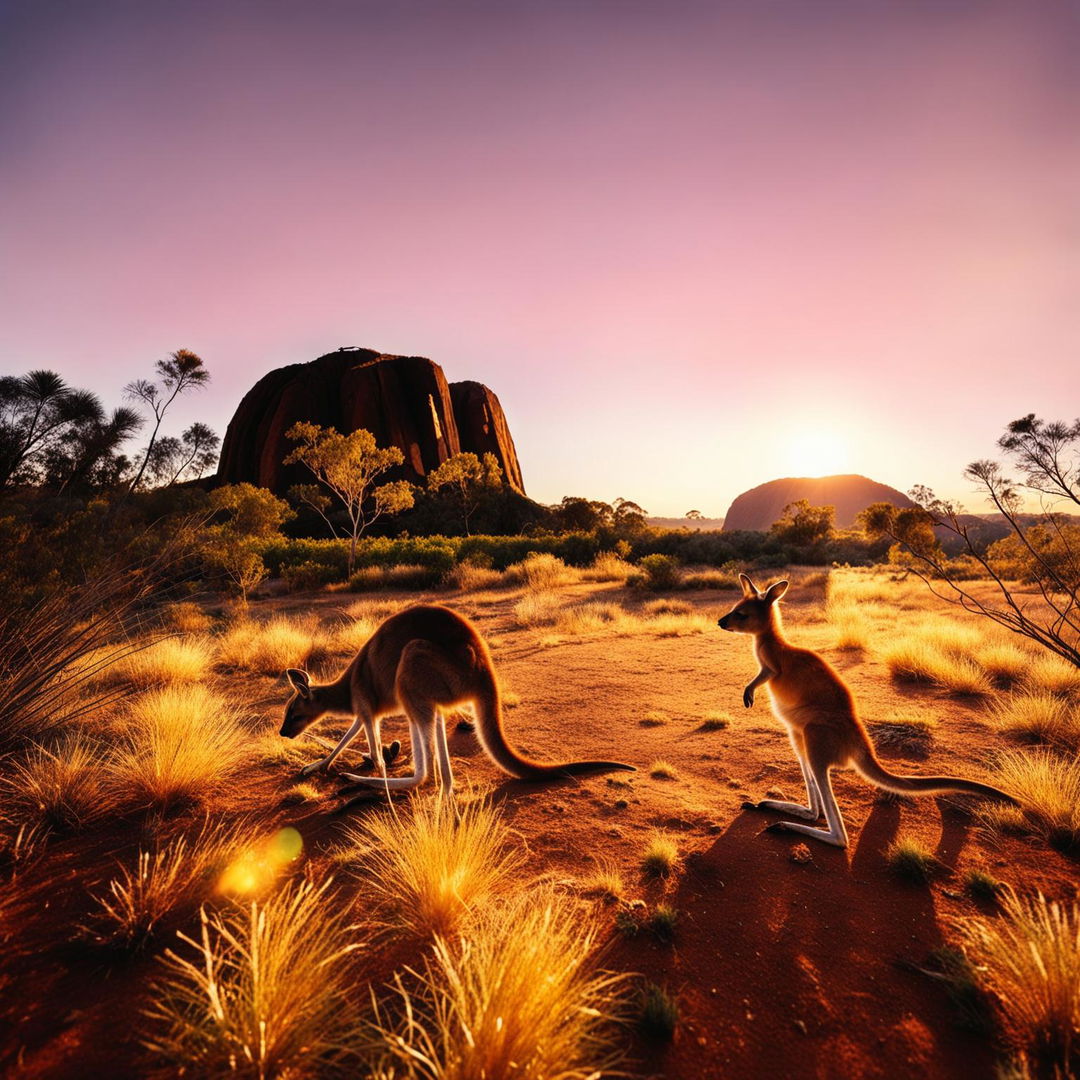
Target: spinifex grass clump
1038, 716
263, 991
182, 745
1048, 786
1029, 962
60, 786
514, 994
271, 647
660, 856
139, 896
429, 865
171, 660
911, 860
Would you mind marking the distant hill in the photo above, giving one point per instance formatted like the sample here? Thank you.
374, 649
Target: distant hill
697, 524
759, 507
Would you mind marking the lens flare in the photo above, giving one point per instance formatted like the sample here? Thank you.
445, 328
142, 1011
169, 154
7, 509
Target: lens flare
260, 864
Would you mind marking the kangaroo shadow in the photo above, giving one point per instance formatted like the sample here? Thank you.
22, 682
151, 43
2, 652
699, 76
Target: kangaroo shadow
803, 967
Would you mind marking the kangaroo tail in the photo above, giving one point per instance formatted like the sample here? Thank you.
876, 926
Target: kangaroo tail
867, 764
489, 729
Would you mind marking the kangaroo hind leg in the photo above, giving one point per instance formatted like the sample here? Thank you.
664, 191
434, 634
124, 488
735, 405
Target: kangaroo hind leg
811, 812
819, 764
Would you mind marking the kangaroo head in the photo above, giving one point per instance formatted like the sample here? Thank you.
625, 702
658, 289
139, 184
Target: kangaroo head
304, 707
754, 612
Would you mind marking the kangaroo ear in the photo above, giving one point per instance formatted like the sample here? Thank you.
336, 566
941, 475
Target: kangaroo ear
299, 681
775, 591
748, 587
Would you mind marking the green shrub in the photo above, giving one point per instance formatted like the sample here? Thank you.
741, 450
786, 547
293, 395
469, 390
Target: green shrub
300, 577
661, 572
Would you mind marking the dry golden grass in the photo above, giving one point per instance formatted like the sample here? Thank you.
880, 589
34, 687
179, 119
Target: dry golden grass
1048, 786
188, 618
606, 880
663, 770
515, 995
917, 659
538, 609
850, 625
352, 635
467, 577
607, 566
138, 898
63, 786
1003, 662
1038, 717
589, 618
171, 660
1052, 674
425, 868
375, 610
181, 744
861, 586
1029, 962
540, 571
264, 992
660, 855
271, 647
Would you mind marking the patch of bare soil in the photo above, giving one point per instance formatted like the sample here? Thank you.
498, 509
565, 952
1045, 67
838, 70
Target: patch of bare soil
783, 965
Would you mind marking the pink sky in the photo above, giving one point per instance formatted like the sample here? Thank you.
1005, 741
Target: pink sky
685, 244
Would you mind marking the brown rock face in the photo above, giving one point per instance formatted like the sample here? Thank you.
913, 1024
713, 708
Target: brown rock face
405, 401
483, 429
759, 507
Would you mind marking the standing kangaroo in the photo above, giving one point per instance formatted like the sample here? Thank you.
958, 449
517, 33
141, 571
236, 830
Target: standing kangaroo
816, 707
420, 662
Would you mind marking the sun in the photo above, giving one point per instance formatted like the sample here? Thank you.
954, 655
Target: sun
819, 452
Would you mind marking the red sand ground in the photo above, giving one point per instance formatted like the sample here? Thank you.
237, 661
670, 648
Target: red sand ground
781, 968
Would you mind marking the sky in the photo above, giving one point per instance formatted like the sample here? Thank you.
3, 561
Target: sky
693, 247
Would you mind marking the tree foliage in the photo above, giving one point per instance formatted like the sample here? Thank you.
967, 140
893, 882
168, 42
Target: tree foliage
468, 477
348, 465
178, 373
803, 525
1042, 548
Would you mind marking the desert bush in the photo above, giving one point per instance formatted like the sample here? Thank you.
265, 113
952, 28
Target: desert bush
1048, 786
264, 992
403, 576
661, 572
62, 785
308, 575
426, 868
589, 618
181, 745
663, 770
171, 660
1005, 664
1039, 717
270, 647
351, 635
1028, 961
516, 994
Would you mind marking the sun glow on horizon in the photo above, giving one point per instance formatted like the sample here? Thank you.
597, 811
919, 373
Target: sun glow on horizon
818, 452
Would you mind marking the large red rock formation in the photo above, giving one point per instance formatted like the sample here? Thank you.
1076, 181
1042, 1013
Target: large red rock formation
759, 507
405, 401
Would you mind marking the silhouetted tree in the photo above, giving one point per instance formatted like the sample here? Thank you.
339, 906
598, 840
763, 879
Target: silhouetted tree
90, 459
193, 453
348, 465
38, 413
575, 514
177, 373
1048, 457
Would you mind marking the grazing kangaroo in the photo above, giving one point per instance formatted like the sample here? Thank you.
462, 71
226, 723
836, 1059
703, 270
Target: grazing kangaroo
420, 662
816, 707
